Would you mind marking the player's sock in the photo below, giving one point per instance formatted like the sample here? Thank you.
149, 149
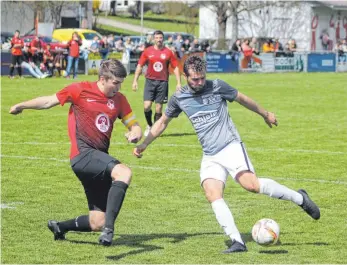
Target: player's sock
226, 219
19, 70
80, 223
157, 116
11, 70
278, 191
148, 115
115, 200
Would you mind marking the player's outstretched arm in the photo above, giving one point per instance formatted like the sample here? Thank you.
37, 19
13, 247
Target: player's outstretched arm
39, 103
157, 129
250, 104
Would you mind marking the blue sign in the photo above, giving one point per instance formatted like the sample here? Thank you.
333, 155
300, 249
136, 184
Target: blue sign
221, 63
320, 62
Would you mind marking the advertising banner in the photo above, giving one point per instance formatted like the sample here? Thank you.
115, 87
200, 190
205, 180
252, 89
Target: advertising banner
341, 65
221, 63
321, 62
296, 63
94, 61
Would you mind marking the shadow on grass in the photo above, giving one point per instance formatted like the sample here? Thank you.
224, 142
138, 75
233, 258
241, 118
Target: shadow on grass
310, 243
278, 251
139, 241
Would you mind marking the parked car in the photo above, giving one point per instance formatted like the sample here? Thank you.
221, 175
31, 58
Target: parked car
87, 36
46, 40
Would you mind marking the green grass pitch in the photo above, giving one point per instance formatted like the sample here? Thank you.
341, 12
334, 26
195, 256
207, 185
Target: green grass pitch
165, 217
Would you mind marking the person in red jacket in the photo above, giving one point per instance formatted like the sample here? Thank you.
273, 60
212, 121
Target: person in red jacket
16, 50
74, 51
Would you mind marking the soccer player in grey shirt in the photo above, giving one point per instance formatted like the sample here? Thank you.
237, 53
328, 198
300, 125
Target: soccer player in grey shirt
205, 104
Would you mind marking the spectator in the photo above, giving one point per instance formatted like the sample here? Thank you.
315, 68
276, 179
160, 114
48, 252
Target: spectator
235, 50
344, 45
28, 64
149, 41
73, 57
36, 46
59, 61
95, 46
178, 45
292, 45
110, 41
268, 46
254, 44
129, 46
169, 42
104, 48
196, 47
278, 48
247, 54
186, 46
48, 59
287, 51
325, 40
205, 46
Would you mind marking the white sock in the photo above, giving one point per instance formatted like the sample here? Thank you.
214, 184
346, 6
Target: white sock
226, 219
278, 191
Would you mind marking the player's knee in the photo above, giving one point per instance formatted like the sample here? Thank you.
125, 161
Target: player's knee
248, 180
121, 173
97, 223
213, 190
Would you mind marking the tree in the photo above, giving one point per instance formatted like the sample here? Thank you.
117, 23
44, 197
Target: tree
225, 10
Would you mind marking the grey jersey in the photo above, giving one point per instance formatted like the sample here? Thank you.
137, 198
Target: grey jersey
207, 110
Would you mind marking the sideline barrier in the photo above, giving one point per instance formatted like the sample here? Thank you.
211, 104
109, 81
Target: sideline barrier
222, 62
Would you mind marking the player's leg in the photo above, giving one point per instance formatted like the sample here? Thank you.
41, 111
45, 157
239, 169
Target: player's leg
241, 169
162, 92
13, 63
148, 98
213, 177
19, 65
69, 65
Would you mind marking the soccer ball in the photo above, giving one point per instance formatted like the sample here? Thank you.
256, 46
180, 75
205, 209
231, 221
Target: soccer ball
266, 232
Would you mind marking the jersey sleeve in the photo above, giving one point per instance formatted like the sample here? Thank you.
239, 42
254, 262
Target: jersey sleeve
69, 94
143, 58
173, 109
225, 90
126, 113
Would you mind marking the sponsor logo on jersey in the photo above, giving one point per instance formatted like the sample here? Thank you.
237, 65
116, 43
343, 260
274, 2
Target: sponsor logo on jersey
210, 99
102, 122
157, 66
110, 104
201, 118
91, 100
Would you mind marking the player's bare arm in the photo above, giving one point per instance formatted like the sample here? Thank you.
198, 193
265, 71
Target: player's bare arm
135, 133
39, 103
136, 77
178, 79
250, 104
157, 129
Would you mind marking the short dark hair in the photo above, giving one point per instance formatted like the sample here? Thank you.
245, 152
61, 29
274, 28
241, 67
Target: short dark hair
196, 63
112, 68
158, 32
17, 30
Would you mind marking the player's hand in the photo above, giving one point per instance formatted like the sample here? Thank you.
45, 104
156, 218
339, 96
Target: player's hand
16, 109
178, 87
132, 137
135, 87
138, 150
270, 119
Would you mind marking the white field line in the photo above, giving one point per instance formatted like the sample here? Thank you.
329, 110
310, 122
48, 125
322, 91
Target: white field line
338, 182
257, 149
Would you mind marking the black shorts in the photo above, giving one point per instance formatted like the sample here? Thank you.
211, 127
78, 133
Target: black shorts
91, 168
16, 59
156, 90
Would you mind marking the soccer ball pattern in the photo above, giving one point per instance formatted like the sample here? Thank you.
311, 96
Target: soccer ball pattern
266, 232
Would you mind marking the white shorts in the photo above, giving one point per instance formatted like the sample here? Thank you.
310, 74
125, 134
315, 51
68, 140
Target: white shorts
230, 160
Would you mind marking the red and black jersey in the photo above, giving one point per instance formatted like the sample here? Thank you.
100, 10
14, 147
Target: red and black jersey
16, 50
91, 116
158, 62
74, 49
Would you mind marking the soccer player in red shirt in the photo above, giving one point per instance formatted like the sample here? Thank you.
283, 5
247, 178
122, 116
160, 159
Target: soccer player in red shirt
16, 52
94, 108
158, 57
74, 53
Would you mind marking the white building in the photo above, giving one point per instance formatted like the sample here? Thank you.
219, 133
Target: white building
303, 21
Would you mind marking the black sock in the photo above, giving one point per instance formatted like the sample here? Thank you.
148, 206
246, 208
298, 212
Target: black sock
148, 115
115, 200
157, 116
80, 223
11, 70
19, 70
